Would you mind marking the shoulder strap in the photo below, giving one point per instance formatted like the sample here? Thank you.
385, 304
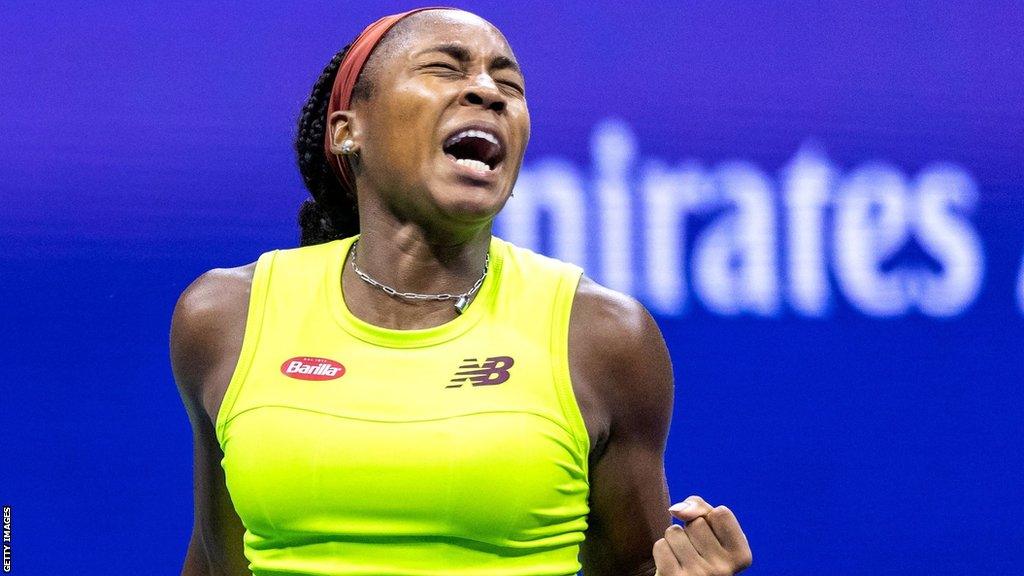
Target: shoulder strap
253, 327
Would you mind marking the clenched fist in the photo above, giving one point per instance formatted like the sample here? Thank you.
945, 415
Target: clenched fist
711, 544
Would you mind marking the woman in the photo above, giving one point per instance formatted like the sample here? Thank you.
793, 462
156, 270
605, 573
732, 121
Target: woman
423, 398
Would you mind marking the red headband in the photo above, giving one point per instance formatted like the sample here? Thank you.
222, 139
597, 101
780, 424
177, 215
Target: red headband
341, 93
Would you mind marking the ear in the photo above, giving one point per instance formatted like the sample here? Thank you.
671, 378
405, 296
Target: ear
344, 125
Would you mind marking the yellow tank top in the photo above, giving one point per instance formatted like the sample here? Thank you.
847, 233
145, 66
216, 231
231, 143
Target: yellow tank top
455, 450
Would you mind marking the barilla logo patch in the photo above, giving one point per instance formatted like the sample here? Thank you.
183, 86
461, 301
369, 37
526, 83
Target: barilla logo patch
312, 368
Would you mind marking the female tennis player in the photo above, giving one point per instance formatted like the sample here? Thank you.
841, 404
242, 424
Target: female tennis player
407, 394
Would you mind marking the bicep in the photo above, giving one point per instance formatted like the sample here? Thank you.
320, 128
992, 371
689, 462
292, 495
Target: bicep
200, 331
621, 353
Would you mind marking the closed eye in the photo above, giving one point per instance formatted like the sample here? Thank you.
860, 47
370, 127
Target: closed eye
514, 86
445, 65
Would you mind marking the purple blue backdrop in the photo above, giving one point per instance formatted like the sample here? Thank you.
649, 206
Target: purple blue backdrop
819, 201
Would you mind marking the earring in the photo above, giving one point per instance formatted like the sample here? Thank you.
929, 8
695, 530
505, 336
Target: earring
347, 146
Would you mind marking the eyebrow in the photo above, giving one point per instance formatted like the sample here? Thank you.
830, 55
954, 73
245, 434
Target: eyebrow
462, 54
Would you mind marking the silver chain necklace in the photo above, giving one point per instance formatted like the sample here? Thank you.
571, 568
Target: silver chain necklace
461, 300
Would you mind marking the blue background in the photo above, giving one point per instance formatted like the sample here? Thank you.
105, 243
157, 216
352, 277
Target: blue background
143, 143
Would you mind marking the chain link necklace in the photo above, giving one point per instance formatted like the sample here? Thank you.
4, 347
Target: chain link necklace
461, 300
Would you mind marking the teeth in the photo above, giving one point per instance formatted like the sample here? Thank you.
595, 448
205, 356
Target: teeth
473, 134
474, 164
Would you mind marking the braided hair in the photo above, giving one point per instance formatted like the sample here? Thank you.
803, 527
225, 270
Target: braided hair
331, 213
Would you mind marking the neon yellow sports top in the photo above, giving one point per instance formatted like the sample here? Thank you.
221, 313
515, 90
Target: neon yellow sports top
454, 450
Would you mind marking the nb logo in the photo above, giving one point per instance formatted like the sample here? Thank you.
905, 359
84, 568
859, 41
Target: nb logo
492, 371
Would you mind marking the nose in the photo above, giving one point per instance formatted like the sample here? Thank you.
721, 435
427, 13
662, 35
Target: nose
483, 92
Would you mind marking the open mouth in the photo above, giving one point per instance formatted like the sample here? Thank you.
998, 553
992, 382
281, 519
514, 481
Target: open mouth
477, 149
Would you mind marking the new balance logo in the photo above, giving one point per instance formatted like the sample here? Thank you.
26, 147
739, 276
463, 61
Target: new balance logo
492, 371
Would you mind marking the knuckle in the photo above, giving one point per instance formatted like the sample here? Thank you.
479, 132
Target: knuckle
662, 547
745, 559
722, 512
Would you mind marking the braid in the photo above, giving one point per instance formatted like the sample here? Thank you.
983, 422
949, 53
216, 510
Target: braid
332, 212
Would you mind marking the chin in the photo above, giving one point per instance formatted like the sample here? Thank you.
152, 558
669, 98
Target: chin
470, 203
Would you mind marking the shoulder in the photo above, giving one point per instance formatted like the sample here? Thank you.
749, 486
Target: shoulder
616, 325
617, 347
211, 296
207, 325
612, 318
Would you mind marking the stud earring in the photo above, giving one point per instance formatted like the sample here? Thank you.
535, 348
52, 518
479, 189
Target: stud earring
347, 146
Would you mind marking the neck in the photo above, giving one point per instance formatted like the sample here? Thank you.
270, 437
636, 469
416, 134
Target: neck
410, 258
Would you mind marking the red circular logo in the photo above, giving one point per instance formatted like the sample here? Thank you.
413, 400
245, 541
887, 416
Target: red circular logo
312, 368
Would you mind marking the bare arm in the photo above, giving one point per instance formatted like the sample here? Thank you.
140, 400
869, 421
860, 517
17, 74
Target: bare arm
617, 350
206, 338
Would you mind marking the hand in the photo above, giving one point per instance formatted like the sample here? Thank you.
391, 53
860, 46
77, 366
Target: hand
711, 544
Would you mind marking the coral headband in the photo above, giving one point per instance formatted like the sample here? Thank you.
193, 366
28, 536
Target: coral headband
341, 93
